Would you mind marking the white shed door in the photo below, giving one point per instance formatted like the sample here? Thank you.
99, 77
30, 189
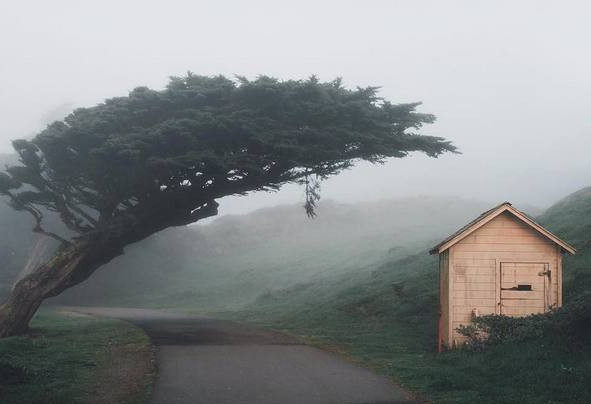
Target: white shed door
523, 288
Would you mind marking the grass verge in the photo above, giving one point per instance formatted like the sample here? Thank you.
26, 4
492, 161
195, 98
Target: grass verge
69, 358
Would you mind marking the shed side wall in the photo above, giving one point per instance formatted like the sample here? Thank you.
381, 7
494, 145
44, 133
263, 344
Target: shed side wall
444, 319
558, 277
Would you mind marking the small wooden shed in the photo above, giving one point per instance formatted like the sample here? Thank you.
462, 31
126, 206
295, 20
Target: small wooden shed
503, 262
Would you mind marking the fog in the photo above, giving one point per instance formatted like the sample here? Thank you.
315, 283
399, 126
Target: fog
509, 81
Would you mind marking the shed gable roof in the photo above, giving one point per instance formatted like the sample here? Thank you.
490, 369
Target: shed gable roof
487, 216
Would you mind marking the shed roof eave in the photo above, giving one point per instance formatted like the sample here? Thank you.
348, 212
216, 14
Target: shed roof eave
486, 217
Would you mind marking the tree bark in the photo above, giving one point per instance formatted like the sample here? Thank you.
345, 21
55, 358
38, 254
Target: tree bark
72, 264
42, 250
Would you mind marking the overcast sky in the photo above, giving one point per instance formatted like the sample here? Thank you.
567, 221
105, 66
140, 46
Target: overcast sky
510, 81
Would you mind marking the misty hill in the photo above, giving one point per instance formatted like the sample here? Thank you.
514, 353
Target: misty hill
235, 259
407, 286
385, 223
386, 317
570, 218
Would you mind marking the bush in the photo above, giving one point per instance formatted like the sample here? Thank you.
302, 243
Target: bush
571, 322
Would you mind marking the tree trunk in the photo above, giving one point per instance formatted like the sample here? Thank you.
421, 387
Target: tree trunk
70, 265
75, 262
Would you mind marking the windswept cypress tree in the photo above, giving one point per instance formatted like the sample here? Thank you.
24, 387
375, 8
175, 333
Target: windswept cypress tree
123, 170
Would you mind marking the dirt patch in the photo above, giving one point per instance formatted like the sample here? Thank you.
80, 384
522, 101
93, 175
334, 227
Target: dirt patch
72, 314
126, 373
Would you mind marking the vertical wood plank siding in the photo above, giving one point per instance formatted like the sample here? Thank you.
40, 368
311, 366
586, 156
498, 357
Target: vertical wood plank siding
472, 266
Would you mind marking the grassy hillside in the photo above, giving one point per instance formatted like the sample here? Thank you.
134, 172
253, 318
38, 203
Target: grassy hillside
385, 316
570, 219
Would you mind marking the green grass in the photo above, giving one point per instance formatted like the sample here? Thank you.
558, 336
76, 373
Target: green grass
59, 361
519, 373
388, 321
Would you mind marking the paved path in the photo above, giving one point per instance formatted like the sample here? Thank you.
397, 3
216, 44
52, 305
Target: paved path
206, 361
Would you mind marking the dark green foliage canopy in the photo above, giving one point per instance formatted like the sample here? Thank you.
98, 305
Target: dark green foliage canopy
155, 159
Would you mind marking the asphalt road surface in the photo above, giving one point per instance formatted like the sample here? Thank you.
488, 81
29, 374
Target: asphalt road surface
207, 361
